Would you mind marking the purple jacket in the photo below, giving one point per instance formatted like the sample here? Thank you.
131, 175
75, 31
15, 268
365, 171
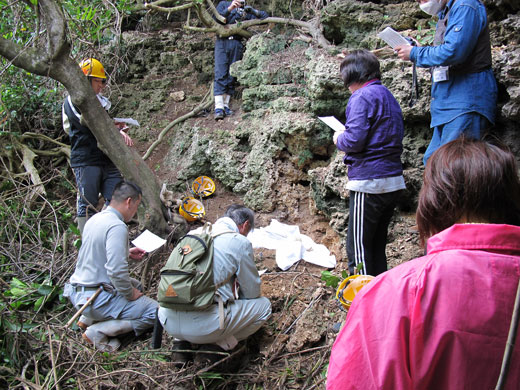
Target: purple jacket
373, 137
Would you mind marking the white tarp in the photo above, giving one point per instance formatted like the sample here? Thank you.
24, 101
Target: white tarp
290, 245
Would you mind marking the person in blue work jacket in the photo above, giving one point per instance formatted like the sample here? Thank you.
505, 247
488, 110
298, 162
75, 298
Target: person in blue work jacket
373, 143
229, 50
464, 90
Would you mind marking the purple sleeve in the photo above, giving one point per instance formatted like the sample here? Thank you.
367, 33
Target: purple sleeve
357, 125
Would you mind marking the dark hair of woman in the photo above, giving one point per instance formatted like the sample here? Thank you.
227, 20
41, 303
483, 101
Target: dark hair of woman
468, 181
359, 66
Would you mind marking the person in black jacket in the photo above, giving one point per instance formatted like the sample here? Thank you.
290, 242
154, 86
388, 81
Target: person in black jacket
94, 171
229, 50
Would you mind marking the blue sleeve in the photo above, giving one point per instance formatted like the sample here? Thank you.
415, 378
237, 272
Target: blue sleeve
357, 126
465, 23
262, 15
222, 8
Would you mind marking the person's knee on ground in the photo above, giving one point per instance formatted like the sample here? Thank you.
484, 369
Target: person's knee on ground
102, 334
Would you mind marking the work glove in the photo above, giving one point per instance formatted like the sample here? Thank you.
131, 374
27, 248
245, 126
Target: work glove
251, 10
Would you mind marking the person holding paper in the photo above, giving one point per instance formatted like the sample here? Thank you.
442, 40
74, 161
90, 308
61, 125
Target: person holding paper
103, 257
94, 171
460, 61
373, 142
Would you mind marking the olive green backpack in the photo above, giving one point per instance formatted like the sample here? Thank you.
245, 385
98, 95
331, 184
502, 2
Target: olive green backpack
187, 278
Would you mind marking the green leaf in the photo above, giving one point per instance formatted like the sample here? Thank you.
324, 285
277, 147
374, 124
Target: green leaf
18, 283
45, 289
39, 302
18, 292
330, 279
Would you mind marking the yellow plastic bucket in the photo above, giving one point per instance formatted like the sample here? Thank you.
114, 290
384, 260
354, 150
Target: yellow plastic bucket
203, 186
349, 287
191, 209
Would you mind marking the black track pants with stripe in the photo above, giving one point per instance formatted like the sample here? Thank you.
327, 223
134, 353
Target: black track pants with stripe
369, 218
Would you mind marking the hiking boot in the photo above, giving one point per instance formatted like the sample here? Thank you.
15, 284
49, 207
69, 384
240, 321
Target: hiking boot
219, 114
209, 354
228, 111
181, 353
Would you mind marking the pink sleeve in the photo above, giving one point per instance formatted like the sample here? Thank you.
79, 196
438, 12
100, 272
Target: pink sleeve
371, 351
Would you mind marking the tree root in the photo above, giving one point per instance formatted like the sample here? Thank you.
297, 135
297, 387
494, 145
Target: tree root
206, 103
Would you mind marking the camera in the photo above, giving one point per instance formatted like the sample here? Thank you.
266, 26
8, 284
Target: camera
242, 3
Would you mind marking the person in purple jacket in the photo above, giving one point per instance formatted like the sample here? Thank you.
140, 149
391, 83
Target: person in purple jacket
373, 143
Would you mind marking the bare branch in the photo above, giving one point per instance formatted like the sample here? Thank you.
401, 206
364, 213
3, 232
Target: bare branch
30, 59
215, 13
206, 103
156, 7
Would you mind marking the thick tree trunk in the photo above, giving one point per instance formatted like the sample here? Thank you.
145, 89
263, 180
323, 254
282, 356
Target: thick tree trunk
54, 61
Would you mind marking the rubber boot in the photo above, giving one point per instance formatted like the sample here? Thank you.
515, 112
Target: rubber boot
99, 334
81, 223
180, 353
219, 107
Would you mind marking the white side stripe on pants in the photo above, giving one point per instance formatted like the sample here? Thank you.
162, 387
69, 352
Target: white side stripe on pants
359, 250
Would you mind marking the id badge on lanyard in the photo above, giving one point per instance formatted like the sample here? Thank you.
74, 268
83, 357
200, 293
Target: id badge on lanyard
440, 73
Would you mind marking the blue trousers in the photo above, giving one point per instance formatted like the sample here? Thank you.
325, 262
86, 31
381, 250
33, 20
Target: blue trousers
227, 51
470, 124
91, 181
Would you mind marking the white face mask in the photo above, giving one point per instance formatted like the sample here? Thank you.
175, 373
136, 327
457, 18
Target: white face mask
104, 102
432, 7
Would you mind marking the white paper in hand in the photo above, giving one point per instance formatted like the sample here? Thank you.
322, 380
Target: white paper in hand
128, 121
392, 37
148, 241
332, 122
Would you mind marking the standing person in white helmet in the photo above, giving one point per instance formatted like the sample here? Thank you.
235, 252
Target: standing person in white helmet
229, 50
102, 262
94, 171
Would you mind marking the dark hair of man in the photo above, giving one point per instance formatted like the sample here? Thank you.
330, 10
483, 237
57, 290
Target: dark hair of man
470, 181
240, 214
126, 189
359, 66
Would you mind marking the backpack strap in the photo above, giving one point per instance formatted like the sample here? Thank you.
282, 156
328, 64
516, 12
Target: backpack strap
218, 285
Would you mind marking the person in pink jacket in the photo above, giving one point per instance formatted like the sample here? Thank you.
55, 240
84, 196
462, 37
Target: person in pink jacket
441, 321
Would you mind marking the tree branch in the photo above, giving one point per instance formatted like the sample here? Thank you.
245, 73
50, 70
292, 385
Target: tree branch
155, 6
215, 13
206, 103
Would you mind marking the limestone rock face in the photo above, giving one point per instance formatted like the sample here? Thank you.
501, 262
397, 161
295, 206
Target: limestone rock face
276, 152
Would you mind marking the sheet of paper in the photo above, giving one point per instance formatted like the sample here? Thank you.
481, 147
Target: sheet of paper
148, 241
128, 121
332, 122
392, 37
